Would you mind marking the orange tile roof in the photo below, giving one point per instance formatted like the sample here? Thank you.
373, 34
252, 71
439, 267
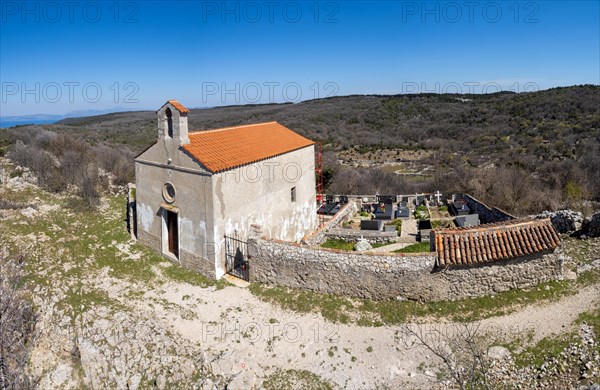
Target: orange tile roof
178, 106
231, 147
497, 241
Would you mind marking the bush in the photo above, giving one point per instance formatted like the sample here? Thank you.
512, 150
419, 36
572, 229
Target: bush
415, 248
572, 192
89, 180
117, 161
124, 171
16, 173
59, 144
71, 165
58, 160
55, 181
338, 244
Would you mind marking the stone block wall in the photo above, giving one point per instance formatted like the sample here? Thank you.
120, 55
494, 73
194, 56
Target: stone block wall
486, 214
565, 221
150, 240
187, 259
485, 279
373, 276
591, 227
387, 276
197, 263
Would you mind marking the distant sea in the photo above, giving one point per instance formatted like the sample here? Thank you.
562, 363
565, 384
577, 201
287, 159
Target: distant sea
5, 124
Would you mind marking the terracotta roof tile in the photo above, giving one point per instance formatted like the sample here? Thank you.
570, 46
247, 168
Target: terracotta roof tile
222, 149
178, 106
498, 241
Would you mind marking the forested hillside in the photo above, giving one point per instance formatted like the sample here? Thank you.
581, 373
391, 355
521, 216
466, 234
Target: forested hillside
539, 149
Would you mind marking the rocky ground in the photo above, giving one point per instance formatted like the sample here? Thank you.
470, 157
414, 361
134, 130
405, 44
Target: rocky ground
112, 314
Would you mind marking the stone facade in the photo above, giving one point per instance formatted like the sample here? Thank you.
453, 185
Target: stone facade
457, 282
387, 276
373, 276
486, 214
186, 258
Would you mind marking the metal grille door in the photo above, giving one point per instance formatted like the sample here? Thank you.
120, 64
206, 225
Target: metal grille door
236, 258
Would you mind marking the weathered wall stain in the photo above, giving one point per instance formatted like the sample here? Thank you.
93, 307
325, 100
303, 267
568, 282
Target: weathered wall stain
212, 205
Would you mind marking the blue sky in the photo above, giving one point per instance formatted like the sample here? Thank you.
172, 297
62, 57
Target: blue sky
57, 58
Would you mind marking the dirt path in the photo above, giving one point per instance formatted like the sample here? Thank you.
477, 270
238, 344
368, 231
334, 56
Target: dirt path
409, 231
550, 318
255, 337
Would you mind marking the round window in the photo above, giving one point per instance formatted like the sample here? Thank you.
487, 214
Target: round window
169, 192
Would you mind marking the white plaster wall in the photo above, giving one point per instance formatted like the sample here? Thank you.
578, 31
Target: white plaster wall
228, 202
260, 194
194, 196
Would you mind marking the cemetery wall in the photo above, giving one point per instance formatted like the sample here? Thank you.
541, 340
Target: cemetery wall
391, 276
486, 214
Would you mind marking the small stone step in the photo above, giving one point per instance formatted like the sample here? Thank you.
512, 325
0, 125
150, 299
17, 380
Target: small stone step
236, 281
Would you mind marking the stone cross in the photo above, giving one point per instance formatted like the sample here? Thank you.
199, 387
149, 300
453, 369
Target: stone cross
438, 195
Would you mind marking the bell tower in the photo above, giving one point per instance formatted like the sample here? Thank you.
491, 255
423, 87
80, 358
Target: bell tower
173, 122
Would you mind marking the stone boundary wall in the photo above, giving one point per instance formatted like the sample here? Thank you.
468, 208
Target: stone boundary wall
318, 237
457, 282
487, 214
391, 276
372, 236
356, 274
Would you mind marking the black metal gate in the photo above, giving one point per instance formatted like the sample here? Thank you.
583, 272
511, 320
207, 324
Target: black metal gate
236, 258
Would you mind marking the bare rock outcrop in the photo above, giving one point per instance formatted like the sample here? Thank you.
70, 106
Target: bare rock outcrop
565, 221
120, 350
110, 348
591, 227
575, 367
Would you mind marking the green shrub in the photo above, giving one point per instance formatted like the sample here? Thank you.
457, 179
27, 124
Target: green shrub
16, 173
572, 191
419, 247
338, 244
420, 209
